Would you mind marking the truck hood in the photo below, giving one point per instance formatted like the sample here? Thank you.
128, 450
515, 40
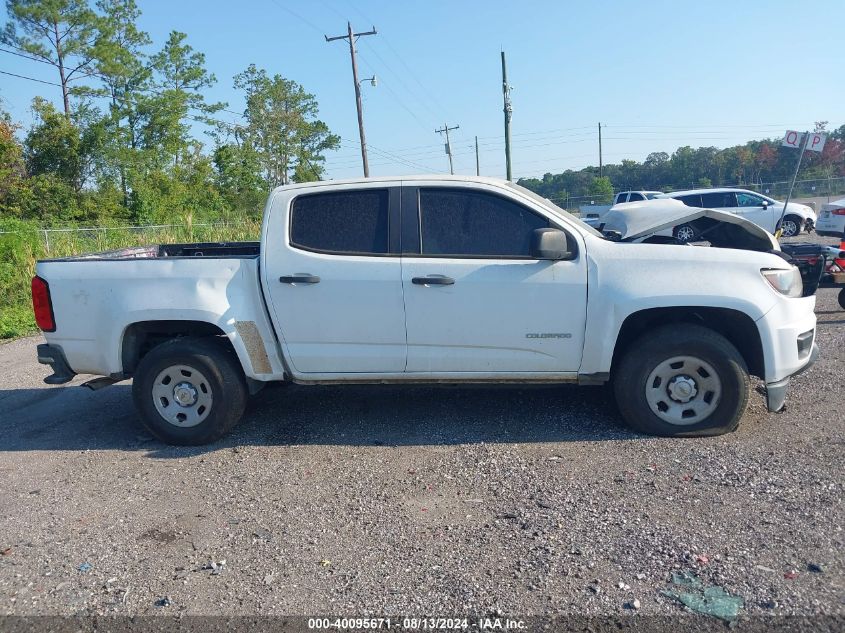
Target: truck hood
637, 221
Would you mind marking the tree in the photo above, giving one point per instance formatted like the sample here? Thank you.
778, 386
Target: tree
602, 190
53, 146
282, 128
179, 75
12, 170
59, 32
126, 78
238, 177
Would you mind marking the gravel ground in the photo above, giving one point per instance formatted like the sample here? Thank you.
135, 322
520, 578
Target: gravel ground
417, 500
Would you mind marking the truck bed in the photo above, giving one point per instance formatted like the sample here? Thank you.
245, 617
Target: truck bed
213, 250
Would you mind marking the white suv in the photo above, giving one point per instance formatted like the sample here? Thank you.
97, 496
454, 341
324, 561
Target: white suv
755, 207
635, 196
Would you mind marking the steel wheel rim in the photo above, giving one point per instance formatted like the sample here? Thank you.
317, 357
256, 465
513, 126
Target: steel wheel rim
182, 395
683, 390
790, 228
685, 234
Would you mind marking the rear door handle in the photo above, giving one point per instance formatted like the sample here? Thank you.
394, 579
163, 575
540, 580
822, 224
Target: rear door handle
300, 279
433, 280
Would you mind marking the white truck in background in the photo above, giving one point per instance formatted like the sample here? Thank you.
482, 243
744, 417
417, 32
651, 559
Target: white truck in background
435, 280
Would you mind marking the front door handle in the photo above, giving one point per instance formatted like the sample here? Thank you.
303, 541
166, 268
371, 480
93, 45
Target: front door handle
300, 279
433, 280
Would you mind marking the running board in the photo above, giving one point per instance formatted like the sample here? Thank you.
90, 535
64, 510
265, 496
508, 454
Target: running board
95, 384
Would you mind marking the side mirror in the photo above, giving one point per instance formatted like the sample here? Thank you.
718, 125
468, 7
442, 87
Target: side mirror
550, 244
765, 204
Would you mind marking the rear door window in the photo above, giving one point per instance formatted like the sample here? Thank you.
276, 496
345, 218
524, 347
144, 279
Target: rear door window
343, 222
621, 197
693, 200
634, 197
718, 200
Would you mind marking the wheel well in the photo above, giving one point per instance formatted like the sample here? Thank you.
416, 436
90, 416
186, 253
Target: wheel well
734, 325
139, 338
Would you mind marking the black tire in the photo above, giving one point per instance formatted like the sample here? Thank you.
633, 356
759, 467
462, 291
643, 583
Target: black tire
841, 298
794, 224
685, 233
220, 375
653, 349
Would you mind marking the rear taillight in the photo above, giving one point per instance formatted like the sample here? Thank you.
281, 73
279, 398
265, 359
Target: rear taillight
838, 211
42, 306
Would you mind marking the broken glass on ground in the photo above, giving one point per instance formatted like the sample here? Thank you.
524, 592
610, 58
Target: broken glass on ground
707, 600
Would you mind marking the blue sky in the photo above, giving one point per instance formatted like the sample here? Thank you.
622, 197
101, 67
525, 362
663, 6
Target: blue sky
658, 74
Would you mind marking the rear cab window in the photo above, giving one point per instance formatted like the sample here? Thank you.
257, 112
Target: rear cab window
341, 223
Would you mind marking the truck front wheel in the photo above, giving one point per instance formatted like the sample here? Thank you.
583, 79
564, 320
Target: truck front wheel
189, 391
682, 380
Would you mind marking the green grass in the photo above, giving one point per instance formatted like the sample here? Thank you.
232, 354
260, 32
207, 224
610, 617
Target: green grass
23, 244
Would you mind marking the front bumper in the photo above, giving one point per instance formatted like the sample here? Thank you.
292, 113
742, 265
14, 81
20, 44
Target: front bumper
54, 356
776, 391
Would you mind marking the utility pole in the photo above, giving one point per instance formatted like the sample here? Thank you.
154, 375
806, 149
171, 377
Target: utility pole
478, 167
506, 93
601, 170
446, 129
351, 36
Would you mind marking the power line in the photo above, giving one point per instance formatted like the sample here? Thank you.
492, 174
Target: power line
41, 81
35, 59
425, 91
405, 86
298, 17
393, 158
396, 97
88, 74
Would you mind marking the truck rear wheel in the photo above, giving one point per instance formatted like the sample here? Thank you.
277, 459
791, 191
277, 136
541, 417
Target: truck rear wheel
189, 391
682, 380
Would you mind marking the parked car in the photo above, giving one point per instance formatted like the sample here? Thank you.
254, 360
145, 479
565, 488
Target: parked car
590, 211
652, 221
434, 280
831, 222
635, 196
752, 206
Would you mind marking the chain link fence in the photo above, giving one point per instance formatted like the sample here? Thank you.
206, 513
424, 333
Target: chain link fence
102, 237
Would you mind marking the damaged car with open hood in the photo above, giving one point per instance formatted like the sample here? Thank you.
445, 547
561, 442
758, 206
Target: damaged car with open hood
655, 222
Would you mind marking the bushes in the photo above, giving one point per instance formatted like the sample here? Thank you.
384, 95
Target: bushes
22, 243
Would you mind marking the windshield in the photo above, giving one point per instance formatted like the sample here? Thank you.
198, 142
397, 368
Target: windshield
653, 194
551, 206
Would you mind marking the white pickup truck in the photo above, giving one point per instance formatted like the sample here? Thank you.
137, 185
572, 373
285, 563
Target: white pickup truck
428, 279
